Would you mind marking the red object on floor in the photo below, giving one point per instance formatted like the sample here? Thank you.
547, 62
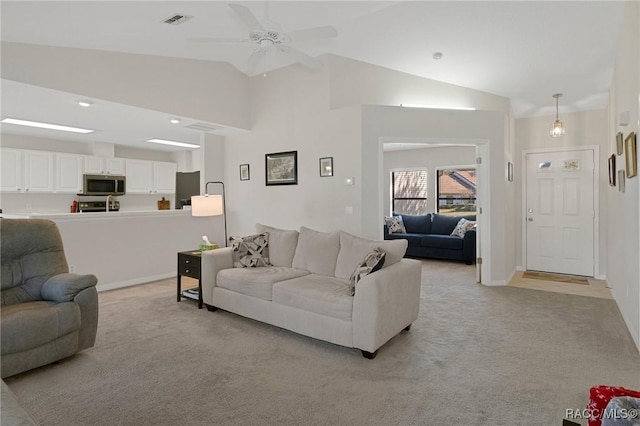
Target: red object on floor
599, 397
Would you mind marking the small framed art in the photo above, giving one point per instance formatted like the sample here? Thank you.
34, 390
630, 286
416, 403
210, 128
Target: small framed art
244, 172
631, 155
619, 143
612, 170
281, 168
326, 167
621, 180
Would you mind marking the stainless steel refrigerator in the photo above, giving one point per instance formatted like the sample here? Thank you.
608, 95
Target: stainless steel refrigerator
187, 184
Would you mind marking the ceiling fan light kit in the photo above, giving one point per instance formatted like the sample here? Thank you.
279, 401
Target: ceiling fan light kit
557, 129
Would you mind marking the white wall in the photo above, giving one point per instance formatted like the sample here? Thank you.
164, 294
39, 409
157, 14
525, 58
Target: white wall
209, 91
431, 159
623, 237
583, 129
290, 112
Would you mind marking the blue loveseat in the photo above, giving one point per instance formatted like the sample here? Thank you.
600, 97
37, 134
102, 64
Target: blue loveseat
429, 236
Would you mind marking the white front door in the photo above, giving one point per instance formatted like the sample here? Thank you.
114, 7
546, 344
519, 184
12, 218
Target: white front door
559, 216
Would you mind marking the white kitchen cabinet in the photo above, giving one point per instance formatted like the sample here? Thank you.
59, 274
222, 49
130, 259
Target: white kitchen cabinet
102, 165
11, 170
68, 173
139, 176
164, 178
38, 171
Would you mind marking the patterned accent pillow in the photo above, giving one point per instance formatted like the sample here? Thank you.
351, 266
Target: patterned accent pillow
372, 262
395, 224
251, 251
462, 227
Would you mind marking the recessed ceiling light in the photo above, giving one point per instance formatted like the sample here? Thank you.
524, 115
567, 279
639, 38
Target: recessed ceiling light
173, 143
174, 121
437, 56
45, 125
85, 103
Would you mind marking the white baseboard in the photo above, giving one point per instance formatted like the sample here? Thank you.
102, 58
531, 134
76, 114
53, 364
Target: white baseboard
501, 282
627, 321
135, 281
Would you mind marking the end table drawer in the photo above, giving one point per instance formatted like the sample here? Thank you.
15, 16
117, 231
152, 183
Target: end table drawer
192, 271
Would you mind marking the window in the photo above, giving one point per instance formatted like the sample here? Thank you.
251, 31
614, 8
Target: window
409, 192
457, 191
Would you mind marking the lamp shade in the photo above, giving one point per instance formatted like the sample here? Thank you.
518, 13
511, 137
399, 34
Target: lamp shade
207, 205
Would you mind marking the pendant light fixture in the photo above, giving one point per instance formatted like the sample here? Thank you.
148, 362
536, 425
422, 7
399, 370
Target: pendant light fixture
556, 128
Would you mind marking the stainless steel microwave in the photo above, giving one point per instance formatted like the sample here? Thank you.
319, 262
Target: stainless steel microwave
104, 185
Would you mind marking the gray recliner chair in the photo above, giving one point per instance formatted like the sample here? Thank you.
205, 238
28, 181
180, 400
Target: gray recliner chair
46, 313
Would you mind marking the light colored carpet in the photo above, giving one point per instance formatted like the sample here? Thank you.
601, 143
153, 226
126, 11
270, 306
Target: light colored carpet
546, 276
476, 356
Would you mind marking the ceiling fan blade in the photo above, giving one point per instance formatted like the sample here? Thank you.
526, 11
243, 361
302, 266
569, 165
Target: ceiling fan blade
254, 60
247, 16
303, 58
212, 40
310, 34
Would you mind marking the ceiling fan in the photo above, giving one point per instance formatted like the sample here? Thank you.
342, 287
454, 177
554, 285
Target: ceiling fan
268, 38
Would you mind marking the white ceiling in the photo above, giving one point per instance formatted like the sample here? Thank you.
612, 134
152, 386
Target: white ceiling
523, 50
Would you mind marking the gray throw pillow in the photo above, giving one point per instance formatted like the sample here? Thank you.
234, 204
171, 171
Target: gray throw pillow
372, 262
251, 251
395, 225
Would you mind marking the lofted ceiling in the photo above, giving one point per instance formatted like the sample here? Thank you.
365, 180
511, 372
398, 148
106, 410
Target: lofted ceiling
523, 50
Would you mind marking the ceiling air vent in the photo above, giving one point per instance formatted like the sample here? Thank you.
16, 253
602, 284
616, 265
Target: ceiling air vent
177, 19
204, 127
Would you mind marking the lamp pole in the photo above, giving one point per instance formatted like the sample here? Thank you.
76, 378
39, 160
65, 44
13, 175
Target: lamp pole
224, 206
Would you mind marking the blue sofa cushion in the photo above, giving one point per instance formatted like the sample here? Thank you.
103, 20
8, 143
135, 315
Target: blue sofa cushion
444, 225
417, 224
413, 239
442, 241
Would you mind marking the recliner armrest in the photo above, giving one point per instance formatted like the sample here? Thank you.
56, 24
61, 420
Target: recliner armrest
64, 287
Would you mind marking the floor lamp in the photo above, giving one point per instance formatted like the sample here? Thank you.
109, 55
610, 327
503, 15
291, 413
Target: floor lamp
210, 205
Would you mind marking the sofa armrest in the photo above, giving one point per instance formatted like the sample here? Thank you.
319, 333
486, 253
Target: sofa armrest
469, 247
65, 287
213, 261
386, 302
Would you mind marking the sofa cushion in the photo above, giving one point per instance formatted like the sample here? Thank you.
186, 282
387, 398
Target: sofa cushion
353, 250
251, 251
395, 225
29, 325
256, 282
412, 239
321, 294
282, 244
443, 225
442, 241
417, 224
317, 252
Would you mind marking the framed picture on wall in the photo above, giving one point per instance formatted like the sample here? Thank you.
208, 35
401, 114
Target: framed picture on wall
281, 168
244, 172
621, 180
619, 143
631, 155
326, 167
612, 170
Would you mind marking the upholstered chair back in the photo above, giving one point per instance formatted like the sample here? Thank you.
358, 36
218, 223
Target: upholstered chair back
31, 252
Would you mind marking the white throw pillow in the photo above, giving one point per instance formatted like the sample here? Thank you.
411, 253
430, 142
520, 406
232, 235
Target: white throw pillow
462, 227
317, 251
353, 249
282, 244
395, 225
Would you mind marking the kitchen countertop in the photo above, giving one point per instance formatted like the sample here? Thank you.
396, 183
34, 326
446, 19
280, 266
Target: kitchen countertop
96, 215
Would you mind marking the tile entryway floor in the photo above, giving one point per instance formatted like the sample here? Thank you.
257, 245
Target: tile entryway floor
595, 288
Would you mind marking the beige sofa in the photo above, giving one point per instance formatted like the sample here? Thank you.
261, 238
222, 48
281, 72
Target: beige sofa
306, 290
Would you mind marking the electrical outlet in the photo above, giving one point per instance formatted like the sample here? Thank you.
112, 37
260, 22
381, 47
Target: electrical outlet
72, 268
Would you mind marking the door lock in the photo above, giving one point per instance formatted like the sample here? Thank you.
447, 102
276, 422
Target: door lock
530, 219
